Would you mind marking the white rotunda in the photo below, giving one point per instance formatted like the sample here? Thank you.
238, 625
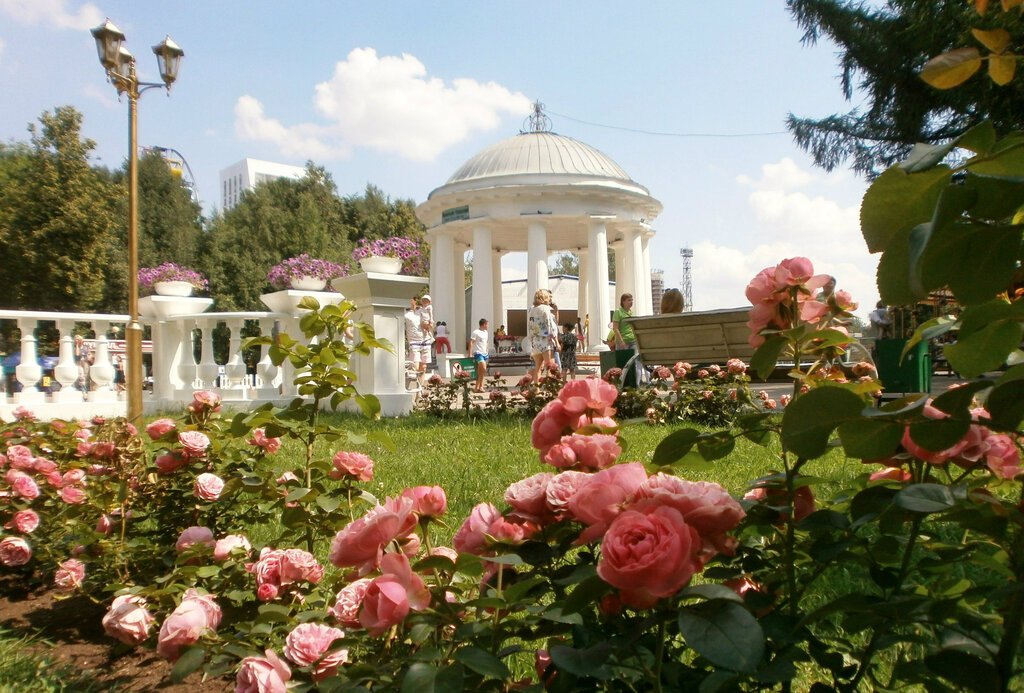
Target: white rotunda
538, 192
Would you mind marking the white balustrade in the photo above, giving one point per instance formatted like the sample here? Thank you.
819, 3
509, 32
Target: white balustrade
174, 373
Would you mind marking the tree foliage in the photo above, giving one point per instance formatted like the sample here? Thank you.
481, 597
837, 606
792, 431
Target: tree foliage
881, 53
57, 214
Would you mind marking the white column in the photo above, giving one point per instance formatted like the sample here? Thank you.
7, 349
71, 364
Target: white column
443, 272
648, 291
459, 282
498, 312
583, 291
600, 306
623, 275
483, 284
635, 263
536, 260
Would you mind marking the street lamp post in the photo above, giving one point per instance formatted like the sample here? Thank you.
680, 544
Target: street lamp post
120, 67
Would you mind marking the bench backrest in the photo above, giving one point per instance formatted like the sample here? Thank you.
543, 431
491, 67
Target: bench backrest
702, 337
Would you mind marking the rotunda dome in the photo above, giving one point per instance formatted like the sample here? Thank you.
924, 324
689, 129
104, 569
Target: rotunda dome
538, 153
531, 158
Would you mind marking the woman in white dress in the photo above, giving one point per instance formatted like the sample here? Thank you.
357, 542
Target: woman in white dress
542, 331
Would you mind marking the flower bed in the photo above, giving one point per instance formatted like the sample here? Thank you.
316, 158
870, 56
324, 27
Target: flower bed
599, 569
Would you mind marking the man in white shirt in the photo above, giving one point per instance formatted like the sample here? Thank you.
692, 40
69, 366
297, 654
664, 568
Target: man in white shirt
477, 348
419, 347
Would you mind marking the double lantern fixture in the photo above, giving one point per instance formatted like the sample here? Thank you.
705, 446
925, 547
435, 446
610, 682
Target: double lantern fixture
120, 67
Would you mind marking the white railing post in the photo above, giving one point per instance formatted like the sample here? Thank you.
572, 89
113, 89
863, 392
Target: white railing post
66, 371
266, 371
208, 368
187, 369
102, 370
28, 371
234, 369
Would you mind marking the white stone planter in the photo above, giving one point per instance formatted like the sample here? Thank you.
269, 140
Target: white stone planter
307, 283
381, 264
287, 300
175, 288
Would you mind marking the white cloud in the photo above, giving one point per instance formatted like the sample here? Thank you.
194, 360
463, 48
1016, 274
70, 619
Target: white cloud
386, 103
788, 224
53, 12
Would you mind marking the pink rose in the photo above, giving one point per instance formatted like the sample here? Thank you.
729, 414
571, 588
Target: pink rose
528, 497
1003, 456
348, 602
159, 427
267, 569
803, 500
550, 424
69, 575
286, 477
165, 464
74, 476
208, 487
196, 615
352, 465
602, 497
471, 536
24, 521
296, 564
128, 620
103, 450
591, 396
704, 505
104, 525
14, 551
22, 484
595, 451
263, 675
72, 495
193, 536
361, 543
428, 501
43, 465
267, 592
204, 401
260, 439
560, 489
389, 597
19, 457
195, 443
308, 644
649, 555
223, 548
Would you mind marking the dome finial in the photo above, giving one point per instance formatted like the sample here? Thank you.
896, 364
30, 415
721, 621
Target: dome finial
537, 121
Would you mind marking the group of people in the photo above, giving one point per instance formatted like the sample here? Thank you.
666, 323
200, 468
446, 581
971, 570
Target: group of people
546, 341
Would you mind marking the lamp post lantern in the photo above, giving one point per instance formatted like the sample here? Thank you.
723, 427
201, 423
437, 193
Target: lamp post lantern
120, 67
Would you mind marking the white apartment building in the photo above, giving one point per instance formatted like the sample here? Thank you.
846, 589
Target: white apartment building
247, 174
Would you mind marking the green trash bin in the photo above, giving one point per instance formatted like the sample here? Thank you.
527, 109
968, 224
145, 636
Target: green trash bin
618, 359
912, 374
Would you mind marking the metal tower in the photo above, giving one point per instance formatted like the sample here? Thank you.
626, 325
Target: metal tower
687, 285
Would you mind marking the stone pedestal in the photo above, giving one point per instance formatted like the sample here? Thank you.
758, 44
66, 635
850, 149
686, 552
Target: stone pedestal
381, 301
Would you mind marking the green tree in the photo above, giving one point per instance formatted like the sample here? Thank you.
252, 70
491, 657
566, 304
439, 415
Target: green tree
170, 221
277, 220
881, 51
375, 215
57, 216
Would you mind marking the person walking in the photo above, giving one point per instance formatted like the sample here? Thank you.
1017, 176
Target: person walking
477, 347
569, 340
441, 339
419, 347
541, 331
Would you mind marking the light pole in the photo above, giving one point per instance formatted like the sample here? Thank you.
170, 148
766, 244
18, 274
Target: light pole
120, 67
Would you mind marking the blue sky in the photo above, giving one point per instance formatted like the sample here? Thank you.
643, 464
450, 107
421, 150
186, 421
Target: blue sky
399, 94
